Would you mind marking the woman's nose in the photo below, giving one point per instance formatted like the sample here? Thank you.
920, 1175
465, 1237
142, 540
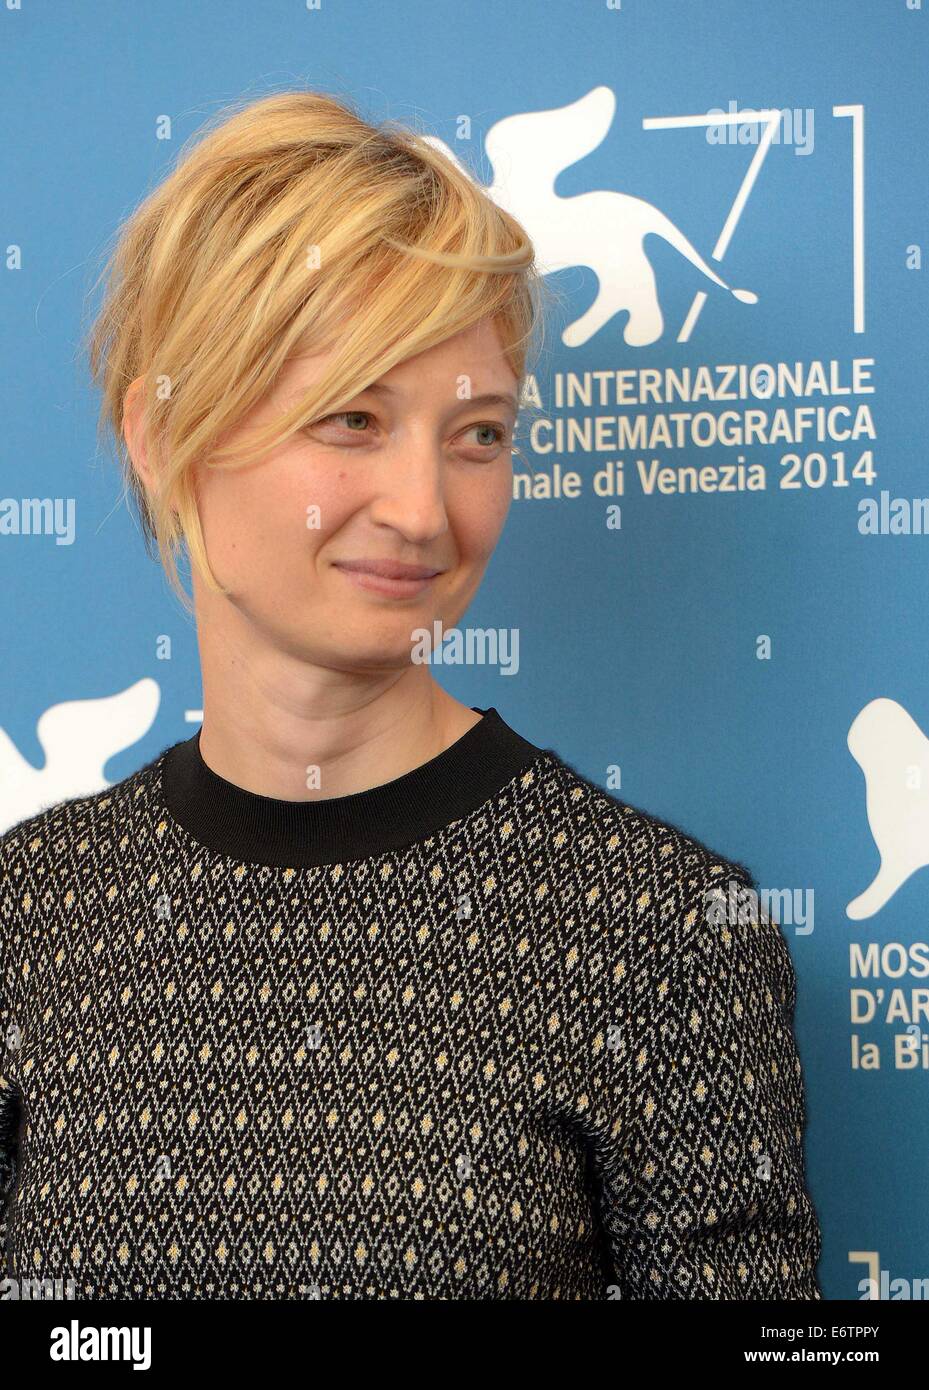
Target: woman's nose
411, 492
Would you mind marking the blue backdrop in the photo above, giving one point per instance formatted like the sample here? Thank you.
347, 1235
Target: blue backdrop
748, 662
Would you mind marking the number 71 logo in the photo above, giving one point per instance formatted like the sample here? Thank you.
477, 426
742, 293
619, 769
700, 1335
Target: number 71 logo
770, 121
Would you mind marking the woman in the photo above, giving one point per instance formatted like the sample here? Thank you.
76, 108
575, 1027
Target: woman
357, 993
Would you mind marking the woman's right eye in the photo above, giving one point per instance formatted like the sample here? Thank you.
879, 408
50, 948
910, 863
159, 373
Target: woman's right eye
346, 415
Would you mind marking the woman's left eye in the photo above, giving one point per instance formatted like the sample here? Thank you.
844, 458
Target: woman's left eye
499, 434
347, 415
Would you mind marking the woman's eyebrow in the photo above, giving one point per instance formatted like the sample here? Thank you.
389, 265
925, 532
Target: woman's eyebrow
485, 398
493, 398
504, 398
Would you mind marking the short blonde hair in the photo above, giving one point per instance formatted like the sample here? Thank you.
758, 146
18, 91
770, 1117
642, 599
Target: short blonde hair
292, 227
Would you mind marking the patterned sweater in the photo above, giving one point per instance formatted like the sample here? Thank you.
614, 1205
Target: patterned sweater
481, 1032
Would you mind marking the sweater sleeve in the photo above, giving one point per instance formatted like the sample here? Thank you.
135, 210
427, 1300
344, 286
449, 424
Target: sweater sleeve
9, 1094
702, 1184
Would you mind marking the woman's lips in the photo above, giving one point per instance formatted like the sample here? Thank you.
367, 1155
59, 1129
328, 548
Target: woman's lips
387, 583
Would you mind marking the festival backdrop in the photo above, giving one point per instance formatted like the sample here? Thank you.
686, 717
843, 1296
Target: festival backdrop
712, 592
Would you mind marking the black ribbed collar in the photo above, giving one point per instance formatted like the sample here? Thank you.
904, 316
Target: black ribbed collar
264, 830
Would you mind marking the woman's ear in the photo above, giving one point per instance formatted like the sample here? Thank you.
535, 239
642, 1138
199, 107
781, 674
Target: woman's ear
134, 434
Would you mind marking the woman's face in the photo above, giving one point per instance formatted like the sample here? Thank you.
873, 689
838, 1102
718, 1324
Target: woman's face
408, 471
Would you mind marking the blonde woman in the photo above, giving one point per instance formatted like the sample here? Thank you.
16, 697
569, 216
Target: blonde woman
357, 993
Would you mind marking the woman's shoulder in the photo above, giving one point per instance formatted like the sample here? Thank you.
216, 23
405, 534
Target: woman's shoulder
596, 822
55, 832
662, 903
